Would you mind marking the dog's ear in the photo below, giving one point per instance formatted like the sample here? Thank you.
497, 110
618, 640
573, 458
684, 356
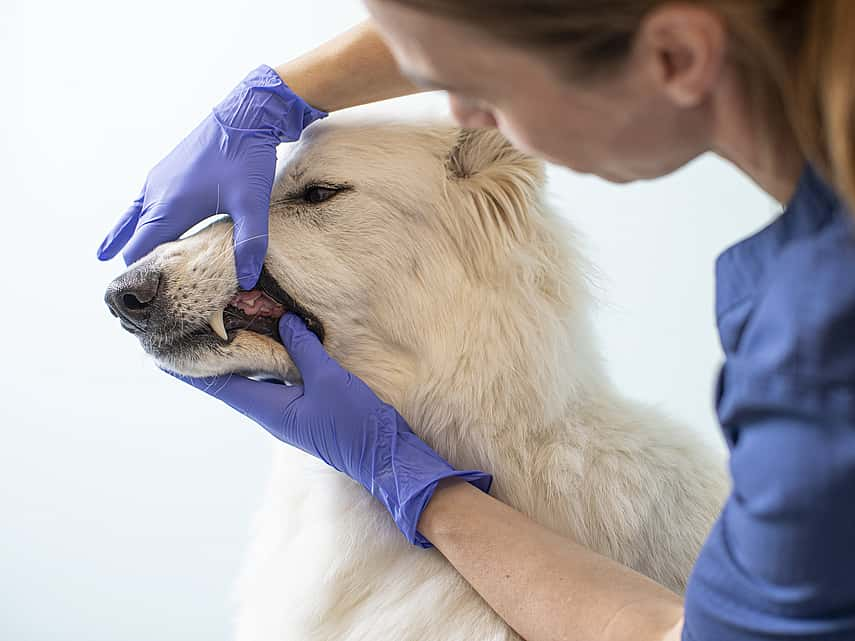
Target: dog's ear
475, 150
496, 183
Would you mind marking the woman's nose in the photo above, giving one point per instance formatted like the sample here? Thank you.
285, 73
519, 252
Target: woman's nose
130, 297
470, 113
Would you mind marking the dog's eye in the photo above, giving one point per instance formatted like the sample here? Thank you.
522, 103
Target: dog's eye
316, 194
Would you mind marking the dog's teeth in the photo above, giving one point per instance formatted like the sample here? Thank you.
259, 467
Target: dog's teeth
216, 323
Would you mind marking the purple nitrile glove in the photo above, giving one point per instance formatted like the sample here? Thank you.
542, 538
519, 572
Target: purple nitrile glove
335, 416
226, 164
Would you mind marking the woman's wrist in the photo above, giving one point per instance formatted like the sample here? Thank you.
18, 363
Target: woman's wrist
262, 102
443, 510
401, 470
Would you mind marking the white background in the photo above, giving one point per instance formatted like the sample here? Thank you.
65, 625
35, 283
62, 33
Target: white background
125, 496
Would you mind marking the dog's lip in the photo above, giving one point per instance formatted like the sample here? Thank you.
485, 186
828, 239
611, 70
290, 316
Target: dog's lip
268, 286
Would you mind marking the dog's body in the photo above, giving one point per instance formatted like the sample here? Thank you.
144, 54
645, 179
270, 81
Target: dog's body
444, 282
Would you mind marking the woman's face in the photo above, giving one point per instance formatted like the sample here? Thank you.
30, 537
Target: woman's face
622, 128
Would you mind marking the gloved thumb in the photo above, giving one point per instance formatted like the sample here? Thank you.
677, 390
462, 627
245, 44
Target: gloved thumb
122, 231
250, 237
305, 349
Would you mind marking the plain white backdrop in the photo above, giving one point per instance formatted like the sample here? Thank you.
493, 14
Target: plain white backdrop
125, 496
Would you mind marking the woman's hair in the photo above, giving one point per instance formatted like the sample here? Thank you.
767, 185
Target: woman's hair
796, 58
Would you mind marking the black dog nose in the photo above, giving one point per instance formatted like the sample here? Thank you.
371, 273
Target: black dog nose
131, 295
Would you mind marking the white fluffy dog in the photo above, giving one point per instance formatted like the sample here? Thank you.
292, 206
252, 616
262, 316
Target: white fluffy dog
427, 259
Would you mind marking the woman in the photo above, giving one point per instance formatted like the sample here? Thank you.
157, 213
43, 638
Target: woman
625, 89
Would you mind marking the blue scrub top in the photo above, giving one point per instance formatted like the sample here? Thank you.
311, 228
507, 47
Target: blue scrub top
780, 561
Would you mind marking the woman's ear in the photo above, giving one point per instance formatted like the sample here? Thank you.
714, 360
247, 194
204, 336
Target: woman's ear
686, 45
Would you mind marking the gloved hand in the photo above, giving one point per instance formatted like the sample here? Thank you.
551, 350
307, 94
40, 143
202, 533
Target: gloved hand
335, 416
226, 164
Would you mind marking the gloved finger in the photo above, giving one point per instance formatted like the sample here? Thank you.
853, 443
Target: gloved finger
157, 227
250, 237
263, 402
305, 349
122, 231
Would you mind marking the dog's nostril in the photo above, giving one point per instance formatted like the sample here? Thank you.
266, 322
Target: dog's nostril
131, 302
130, 297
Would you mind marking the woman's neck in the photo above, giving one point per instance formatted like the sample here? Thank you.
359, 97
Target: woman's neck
771, 158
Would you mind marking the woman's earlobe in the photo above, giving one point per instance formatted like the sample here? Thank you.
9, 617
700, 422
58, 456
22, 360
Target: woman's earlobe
685, 95
689, 43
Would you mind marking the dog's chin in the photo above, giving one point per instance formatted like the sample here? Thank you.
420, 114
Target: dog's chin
247, 353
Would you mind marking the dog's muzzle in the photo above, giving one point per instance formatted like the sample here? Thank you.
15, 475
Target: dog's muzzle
138, 298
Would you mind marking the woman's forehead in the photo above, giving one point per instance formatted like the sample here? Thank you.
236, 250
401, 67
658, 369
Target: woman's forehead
436, 52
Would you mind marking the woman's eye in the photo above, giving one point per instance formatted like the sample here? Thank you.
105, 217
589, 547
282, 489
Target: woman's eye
316, 194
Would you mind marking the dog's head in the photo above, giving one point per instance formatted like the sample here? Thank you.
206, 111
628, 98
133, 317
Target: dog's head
383, 237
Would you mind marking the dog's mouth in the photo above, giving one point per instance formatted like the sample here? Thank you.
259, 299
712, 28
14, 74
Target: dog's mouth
259, 310
137, 299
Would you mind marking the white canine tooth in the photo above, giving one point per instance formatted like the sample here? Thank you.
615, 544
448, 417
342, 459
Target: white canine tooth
216, 323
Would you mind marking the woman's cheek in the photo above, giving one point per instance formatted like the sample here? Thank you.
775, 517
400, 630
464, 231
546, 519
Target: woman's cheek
515, 134
541, 142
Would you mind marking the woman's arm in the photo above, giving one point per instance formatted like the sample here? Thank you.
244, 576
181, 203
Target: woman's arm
546, 587
354, 68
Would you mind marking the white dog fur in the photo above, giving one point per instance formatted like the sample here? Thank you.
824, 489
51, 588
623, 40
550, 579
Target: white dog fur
445, 282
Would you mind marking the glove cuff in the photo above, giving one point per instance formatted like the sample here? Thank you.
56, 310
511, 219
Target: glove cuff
406, 475
481, 480
261, 101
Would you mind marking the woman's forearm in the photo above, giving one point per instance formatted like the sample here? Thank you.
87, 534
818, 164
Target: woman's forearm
354, 68
543, 585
